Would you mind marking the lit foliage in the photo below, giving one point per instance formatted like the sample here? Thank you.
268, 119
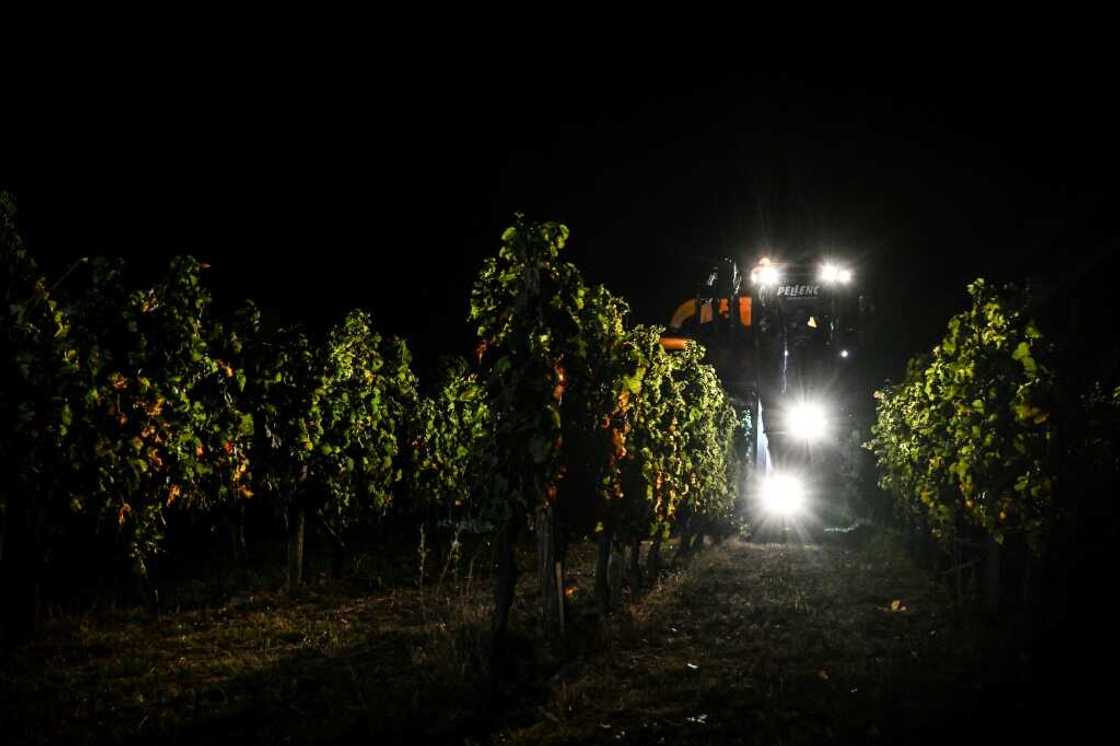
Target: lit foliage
365, 392
597, 424
160, 426
126, 404
688, 441
658, 466
968, 437
710, 423
561, 364
283, 376
447, 438
329, 416
527, 305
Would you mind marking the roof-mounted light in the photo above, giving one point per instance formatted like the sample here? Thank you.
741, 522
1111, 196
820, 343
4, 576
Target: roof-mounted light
766, 273
834, 274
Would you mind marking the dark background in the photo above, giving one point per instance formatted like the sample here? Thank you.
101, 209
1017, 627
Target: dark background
314, 186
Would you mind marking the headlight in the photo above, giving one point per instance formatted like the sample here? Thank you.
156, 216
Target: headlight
766, 274
834, 273
783, 494
807, 421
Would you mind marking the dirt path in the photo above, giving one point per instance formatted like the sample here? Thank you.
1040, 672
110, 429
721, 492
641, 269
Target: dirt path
770, 644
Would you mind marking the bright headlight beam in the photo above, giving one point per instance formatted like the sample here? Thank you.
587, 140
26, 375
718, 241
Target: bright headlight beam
807, 421
783, 494
766, 275
834, 273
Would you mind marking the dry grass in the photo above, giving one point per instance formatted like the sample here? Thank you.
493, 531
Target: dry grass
333, 660
766, 644
749, 643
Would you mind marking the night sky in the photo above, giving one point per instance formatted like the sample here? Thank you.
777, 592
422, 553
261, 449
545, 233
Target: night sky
317, 188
